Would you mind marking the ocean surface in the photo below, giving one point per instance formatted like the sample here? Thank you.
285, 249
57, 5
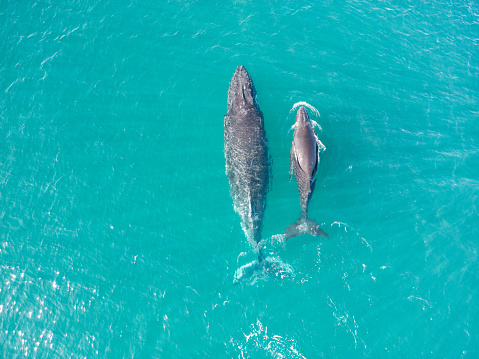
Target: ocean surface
118, 237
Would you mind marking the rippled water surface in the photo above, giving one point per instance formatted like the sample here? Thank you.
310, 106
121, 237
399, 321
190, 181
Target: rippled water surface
118, 236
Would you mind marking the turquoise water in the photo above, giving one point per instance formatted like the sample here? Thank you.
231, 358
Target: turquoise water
117, 230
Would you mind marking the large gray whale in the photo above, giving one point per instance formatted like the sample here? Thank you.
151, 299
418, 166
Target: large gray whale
304, 159
246, 153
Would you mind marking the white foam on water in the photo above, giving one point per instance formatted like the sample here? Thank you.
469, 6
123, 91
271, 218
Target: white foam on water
304, 103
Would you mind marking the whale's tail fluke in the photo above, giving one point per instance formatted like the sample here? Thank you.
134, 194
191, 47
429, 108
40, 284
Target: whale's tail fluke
261, 269
302, 226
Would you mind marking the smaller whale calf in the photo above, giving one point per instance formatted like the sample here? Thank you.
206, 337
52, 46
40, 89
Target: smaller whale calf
304, 160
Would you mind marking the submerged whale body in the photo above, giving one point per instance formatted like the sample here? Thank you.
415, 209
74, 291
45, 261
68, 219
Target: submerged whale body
246, 154
304, 159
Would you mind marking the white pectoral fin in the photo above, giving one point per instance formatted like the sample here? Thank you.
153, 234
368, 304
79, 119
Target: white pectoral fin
321, 147
315, 124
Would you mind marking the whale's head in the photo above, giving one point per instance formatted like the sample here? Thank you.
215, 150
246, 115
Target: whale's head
241, 93
302, 118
